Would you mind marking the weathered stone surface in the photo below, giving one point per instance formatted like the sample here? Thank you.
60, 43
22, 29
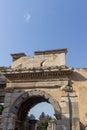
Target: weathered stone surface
45, 77
51, 59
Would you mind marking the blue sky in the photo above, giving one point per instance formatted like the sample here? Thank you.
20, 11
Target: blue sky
42, 107
30, 25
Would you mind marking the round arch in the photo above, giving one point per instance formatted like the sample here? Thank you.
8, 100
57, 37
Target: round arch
29, 99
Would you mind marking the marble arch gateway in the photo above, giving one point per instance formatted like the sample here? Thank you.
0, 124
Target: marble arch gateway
43, 77
26, 101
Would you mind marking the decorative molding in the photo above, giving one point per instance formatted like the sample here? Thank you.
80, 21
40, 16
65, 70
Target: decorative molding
37, 73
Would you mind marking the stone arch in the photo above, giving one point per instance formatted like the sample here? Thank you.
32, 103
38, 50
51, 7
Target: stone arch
29, 99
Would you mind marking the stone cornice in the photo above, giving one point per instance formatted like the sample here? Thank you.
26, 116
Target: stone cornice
64, 50
37, 73
37, 69
17, 56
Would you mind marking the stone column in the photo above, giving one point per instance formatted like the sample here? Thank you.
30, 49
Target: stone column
36, 125
49, 126
52, 125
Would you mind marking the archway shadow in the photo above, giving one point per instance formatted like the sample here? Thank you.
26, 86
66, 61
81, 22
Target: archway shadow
82, 126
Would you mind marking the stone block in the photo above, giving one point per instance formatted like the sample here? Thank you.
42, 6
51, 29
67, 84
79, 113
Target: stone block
64, 99
6, 104
75, 124
64, 107
64, 83
75, 111
8, 99
59, 127
51, 100
72, 94
59, 122
8, 94
65, 122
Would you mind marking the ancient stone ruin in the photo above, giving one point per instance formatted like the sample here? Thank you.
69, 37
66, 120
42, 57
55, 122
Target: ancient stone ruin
44, 77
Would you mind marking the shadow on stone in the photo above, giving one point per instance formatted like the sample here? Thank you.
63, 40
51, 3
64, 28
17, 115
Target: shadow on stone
77, 77
82, 126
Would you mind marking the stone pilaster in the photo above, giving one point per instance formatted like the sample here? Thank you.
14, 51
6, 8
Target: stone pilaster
52, 125
65, 125
7, 118
74, 111
8, 122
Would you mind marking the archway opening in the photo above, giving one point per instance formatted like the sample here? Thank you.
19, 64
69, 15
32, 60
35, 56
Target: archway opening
45, 107
22, 116
26, 102
27, 105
